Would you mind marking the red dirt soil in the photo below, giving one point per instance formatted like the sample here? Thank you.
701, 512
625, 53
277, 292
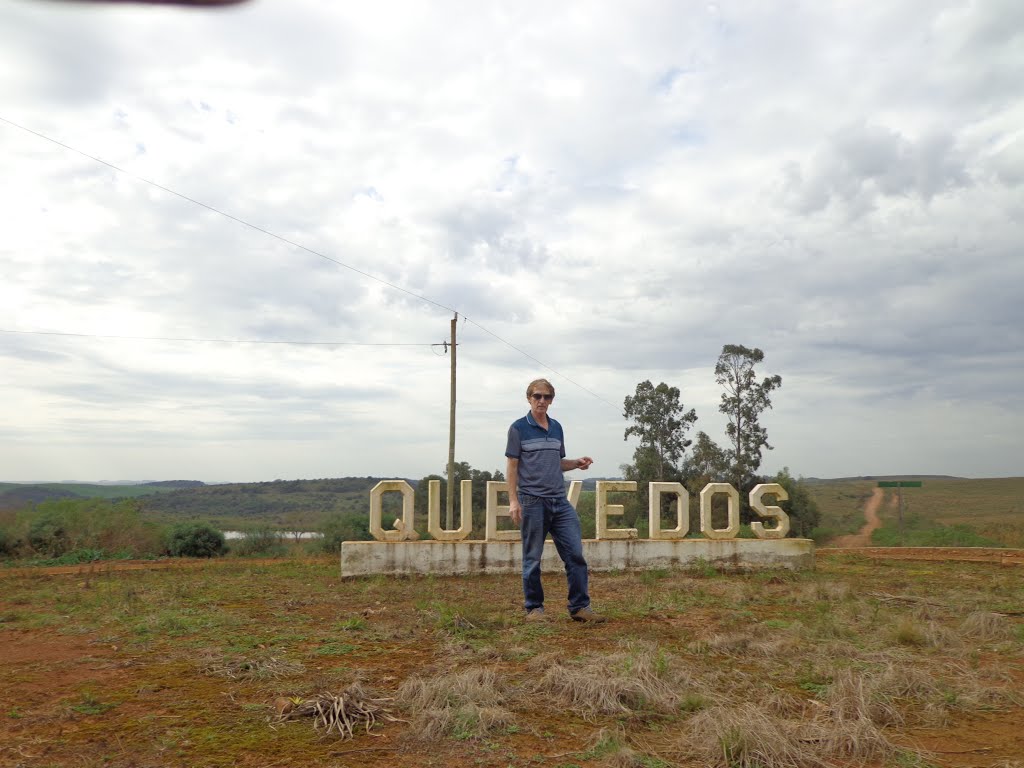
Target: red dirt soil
871, 523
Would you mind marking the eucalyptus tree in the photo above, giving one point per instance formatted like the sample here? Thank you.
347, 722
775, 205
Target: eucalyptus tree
743, 401
660, 420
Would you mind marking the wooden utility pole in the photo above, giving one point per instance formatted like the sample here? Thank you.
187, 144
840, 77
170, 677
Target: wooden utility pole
449, 517
899, 485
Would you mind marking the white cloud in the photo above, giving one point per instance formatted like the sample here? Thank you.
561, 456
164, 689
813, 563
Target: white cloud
615, 192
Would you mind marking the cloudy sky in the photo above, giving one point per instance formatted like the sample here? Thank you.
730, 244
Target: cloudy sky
605, 193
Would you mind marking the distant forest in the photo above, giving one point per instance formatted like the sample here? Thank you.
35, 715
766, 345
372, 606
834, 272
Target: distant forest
284, 502
280, 502
292, 504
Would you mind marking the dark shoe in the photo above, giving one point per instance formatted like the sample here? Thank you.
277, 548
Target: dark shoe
535, 614
585, 614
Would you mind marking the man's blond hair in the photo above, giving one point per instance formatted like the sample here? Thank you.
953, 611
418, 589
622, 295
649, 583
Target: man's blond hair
540, 383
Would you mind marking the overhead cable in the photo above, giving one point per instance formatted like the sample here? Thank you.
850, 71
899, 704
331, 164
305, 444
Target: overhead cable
225, 341
294, 244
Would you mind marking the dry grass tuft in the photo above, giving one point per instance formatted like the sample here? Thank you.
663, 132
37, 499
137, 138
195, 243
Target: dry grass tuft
340, 713
467, 704
940, 636
783, 704
625, 757
731, 643
239, 668
973, 691
910, 632
609, 745
987, 627
745, 643
853, 739
744, 736
781, 647
852, 697
907, 682
896, 695
454, 649
640, 679
823, 591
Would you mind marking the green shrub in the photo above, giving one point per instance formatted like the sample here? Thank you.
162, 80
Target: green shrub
260, 540
48, 533
343, 526
74, 557
822, 533
55, 528
196, 540
8, 543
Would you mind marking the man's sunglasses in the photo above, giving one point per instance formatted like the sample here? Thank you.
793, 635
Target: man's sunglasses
542, 396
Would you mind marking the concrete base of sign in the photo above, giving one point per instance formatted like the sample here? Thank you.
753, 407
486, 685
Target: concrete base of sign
451, 558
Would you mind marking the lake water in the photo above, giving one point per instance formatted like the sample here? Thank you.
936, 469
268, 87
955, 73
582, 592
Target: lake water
290, 535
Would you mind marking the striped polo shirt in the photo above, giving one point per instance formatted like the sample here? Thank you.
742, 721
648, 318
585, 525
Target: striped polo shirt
540, 452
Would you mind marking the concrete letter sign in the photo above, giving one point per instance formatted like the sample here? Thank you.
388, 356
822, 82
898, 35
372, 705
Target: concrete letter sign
403, 527
404, 531
396, 552
781, 527
655, 490
575, 487
494, 487
710, 491
604, 509
434, 512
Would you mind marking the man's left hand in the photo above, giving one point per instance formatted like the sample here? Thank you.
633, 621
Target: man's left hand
584, 463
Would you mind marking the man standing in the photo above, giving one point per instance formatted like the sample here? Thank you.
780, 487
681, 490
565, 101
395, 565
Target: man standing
538, 504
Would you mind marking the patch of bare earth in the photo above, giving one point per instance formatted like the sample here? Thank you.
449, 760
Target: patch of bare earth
871, 523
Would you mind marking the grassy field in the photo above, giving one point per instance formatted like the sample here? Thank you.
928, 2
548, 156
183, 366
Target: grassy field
991, 508
859, 662
994, 507
93, 491
841, 503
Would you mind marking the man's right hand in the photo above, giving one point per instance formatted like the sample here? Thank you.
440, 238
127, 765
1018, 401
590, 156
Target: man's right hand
515, 511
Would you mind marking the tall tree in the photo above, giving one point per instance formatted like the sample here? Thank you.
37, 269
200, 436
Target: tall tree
661, 422
707, 463
803, 511
743, 401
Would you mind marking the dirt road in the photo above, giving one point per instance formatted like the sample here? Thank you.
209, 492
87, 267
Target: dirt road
871, 522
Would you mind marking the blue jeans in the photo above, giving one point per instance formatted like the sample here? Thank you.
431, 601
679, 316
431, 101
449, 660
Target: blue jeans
556, 516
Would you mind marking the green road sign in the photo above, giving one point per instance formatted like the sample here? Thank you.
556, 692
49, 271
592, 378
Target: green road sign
899, 483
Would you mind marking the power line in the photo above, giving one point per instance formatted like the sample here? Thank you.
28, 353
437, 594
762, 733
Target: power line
294, 244
540, 363
243, 222
191, 339
224, 341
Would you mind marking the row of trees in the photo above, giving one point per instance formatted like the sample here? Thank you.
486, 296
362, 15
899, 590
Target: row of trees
659, 419
463, 471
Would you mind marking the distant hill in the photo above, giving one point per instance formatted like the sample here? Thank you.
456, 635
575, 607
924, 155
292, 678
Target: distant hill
15, 496
280, 502
24, 495
174, 484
